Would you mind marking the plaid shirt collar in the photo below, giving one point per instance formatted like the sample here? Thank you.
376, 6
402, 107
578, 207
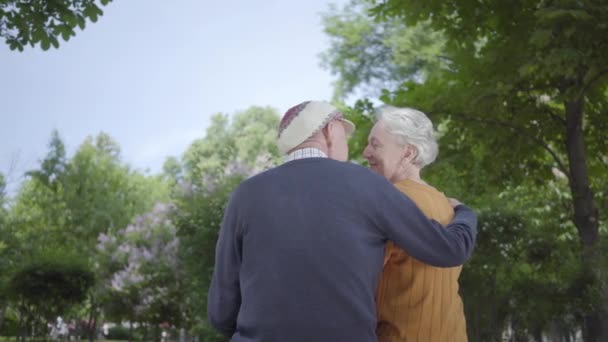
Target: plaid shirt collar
306, 152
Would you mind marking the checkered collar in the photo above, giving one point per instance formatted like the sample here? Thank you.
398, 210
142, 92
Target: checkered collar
306, 152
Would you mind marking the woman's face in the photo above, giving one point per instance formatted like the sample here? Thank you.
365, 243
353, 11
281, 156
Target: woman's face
383, 152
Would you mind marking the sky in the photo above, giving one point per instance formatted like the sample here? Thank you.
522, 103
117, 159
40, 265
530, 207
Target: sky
151, 73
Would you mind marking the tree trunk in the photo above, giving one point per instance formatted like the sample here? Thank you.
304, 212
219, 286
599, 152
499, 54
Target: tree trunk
3, 305
131, 330
23, 322
92, 323
586, 216
145, 331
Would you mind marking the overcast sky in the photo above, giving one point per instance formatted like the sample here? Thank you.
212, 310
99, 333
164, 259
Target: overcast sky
151, 73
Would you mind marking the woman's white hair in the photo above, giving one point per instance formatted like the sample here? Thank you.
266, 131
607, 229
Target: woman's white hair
412, 127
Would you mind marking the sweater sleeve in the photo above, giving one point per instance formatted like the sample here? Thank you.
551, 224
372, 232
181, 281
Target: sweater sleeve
224, 297
402, 222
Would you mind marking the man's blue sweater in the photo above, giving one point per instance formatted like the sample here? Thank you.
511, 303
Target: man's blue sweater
301, 248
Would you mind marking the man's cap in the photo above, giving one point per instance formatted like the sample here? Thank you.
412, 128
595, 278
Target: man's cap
305, 120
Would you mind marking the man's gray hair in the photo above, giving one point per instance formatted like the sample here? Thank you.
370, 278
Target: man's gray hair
412, 127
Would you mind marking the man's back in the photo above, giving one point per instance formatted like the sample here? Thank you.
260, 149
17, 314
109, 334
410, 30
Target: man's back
301, 249
309, 256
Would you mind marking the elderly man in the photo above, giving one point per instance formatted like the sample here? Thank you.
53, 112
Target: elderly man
301, 246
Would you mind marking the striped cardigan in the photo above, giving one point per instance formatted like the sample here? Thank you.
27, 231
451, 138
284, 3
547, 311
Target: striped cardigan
415, 301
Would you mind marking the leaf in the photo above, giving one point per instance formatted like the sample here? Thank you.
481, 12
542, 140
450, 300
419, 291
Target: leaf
45, 44
38, 35
15, 45
81, 22
527, 69
54, 42
541, 37
551, 14
93, 12
66, 33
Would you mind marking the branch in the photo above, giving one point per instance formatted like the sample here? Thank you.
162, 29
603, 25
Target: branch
554, 116
522, 132
445, 58
602, 161
533, 99
547, 110
591, 81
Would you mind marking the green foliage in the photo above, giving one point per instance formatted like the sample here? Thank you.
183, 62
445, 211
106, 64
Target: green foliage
71, 201
370, 55
2, 191
119, 333
47, 285
117, 307
526, 265
172, 170
10, 325
8, 257
480, 97
68, 201
198, 216
250, 139
45, 22
3, 217
9, 249
362, 115
556, 42
90, 202
52, 277
510, 83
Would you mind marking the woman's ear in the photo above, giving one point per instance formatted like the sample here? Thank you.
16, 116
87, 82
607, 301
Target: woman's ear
409, 153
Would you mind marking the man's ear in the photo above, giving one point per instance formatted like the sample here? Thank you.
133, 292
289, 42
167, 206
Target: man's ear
327, 133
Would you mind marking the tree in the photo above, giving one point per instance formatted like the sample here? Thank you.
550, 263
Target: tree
74, 199
68, 202
103, 195
198, 216
172, 170
520, 96
7, 251
39, 210
2, 192
47, 285
149, 278
44, 22
250, 139
525, 273
369, 56
558, 78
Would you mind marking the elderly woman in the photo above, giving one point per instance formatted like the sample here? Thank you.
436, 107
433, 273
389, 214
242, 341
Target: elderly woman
415, 301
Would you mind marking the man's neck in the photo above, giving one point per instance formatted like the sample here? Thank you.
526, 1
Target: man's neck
305, 152
313, 143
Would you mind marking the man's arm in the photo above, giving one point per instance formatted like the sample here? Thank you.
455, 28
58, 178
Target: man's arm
426, 240
224, 298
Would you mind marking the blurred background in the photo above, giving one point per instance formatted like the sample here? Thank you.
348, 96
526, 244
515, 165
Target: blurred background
125, 125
